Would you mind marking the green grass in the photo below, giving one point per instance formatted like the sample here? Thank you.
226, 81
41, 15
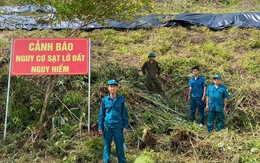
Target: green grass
233, 53
204, 6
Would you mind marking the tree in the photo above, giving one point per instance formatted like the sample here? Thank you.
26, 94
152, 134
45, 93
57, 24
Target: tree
87, 11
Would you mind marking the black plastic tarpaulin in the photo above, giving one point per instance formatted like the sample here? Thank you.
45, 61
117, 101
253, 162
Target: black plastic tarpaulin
218, 21
11, 19
13, 22
26, 8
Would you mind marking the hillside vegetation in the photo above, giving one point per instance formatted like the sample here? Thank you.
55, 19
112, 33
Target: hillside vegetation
160, 127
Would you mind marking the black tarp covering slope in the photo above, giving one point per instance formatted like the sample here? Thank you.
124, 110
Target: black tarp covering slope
218, 21
12, 21
26, 8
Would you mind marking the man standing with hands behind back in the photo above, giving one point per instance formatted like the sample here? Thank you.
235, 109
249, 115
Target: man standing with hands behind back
113, 122
216, 103
197, 91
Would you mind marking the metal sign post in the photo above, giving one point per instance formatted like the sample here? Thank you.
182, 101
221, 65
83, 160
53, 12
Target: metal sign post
89, 86
8, 89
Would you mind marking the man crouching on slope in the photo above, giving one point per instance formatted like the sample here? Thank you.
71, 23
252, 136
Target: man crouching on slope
113, 122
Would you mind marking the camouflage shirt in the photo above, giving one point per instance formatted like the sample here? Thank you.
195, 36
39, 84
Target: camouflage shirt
151, 69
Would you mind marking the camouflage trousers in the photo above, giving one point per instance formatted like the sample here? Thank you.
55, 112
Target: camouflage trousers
153, 84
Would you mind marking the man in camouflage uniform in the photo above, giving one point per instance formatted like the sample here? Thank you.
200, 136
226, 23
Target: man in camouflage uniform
152, 70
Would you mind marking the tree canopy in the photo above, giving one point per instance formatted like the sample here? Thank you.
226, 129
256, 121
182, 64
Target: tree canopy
89, 11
